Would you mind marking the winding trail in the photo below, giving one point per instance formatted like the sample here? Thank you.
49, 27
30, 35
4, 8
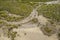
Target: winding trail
33, 32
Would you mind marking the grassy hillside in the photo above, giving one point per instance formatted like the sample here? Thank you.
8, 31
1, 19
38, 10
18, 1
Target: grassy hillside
50, 11
15, 7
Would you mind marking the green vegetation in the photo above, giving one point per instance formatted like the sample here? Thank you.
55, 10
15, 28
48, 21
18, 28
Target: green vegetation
32, 4
8, 30
22, 9
35, 20
11, 26
12, 35
4, 16
36, 0
47, 29
50, 11
15, 7
2, 23
58, 35
11, 19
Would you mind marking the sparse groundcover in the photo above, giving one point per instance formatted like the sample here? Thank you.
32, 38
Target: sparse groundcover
11, 34
5, 16
58, 34
50, 11
35, 20
8, 31
2, 23
12, 7
17, 10
13, 19
48, 30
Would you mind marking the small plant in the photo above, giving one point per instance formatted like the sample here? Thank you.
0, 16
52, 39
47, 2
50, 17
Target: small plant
48, 30
35, 20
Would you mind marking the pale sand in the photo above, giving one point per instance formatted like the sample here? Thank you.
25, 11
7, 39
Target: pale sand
33, 34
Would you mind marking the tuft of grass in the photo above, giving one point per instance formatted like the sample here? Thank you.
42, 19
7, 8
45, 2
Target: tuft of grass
35, 20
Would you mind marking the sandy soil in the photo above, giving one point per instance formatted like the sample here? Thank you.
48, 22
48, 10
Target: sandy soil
31, 31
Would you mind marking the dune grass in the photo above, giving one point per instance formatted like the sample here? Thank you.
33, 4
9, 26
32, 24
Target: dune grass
50, 11
15, 7
21, 9
36, 0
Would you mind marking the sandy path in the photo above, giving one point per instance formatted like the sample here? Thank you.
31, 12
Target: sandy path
33, 32
33, 14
